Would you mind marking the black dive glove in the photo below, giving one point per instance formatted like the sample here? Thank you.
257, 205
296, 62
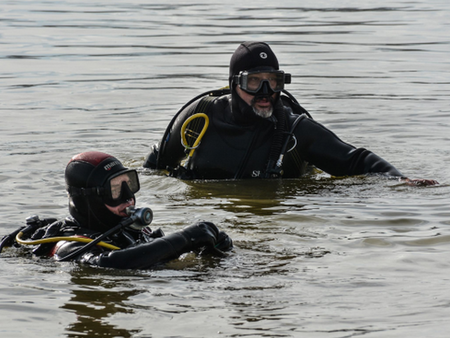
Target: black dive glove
224, 242
206, 237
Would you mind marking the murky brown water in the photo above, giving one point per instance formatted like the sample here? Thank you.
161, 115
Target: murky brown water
314, 257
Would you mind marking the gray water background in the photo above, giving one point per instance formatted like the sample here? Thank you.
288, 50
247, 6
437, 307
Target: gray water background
314, 257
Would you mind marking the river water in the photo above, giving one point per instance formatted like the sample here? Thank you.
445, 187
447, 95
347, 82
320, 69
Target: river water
313, 257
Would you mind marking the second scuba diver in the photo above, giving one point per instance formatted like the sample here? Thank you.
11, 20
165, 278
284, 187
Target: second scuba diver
256, 129
106, 229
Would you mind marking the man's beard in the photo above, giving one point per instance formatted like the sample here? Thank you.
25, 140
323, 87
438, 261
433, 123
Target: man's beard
264, 113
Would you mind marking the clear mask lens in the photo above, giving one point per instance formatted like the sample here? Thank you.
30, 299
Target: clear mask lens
116, 184
252, 82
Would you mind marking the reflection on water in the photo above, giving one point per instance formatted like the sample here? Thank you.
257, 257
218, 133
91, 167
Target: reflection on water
316, 256
94, 300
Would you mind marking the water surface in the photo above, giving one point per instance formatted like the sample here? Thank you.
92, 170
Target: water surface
314, 257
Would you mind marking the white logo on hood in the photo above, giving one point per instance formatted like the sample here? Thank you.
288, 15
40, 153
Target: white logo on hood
111, 165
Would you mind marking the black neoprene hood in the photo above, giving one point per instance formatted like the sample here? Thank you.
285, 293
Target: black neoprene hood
252, 56
87, 170
249, 56
92, 169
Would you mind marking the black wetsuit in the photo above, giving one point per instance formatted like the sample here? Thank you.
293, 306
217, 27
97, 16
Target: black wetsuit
239, 144
138, 249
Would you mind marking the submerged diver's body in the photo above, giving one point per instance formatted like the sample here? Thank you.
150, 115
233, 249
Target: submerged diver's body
101, 192
134, 249
256, 131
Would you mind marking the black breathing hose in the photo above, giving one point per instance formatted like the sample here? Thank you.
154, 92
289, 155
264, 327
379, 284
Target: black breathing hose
277, 145
138, 218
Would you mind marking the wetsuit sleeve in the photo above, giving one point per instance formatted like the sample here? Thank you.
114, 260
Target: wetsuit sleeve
170, 152
323, 149
142, 256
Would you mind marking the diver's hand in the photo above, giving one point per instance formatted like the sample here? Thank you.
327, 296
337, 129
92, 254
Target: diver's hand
202, 234
224, 242
418, 181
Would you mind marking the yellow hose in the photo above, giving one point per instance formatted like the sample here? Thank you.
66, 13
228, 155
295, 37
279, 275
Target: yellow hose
199, 138
57, 239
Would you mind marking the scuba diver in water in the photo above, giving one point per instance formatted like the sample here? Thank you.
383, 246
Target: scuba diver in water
256, 129
106, 229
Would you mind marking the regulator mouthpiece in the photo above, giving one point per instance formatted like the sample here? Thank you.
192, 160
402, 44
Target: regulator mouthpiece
141, 217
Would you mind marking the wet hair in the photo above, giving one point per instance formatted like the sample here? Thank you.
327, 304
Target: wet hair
88, 170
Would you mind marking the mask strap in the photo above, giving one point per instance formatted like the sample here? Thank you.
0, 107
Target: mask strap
74, 191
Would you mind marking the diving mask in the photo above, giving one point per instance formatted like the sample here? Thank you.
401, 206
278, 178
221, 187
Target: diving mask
120, 187
253, 81
116, 190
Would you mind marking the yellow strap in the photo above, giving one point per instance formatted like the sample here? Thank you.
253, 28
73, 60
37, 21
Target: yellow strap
67, 238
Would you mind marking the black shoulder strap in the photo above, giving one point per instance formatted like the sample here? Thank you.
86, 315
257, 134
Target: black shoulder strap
202, 107
298, 109
213, 93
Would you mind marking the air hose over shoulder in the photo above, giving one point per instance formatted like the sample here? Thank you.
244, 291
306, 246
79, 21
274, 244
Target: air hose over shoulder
272, 170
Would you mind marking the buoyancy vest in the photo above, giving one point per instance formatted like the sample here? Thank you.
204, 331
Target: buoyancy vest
230, 148
234, 149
